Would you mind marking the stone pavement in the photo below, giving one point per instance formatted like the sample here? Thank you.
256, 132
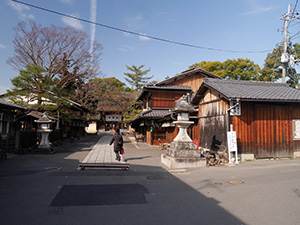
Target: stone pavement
44, 189
103, 156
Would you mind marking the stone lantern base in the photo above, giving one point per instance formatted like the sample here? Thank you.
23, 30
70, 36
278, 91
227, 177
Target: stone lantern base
183, 155
182, 163
44, 145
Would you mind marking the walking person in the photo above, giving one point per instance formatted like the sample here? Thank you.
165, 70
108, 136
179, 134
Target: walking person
117, 139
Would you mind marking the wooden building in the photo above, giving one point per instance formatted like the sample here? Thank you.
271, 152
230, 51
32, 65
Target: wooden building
154, 124
150, 125
9, 125
265, 116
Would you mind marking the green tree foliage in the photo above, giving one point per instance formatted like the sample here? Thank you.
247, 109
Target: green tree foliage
245, 69
133, 111
235, 69
110, 85
137, 78
272, 69
30, 88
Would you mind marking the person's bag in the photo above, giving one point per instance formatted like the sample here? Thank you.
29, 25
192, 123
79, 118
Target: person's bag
122, 151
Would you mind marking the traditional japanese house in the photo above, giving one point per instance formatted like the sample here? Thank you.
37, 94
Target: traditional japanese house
111, 116
8, 125
265, 116
157, 100
154, 125
74, 121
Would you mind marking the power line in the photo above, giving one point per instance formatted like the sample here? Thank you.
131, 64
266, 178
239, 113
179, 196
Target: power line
293, 12
136, 33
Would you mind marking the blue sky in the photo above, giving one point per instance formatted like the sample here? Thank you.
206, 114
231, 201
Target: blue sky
238, 25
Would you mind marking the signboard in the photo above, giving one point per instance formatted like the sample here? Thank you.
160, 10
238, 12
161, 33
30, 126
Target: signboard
296, 130
232, 145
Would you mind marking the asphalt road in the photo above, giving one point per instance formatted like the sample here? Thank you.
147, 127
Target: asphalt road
42, 189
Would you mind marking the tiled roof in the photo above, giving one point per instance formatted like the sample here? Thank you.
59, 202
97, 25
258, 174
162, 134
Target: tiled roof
189, 72
167, 87
253, 90
152, 114
4, 103
148, 87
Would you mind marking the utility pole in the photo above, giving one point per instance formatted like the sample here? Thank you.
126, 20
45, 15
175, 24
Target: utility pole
286, 59
285, 54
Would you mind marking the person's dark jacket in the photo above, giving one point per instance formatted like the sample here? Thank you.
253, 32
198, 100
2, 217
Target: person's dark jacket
117, 139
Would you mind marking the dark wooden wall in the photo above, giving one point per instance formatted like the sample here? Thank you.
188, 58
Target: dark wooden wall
165, 99
212, 124
262, 129
265, 130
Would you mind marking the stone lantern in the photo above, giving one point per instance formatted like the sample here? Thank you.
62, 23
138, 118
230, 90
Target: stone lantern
44, 130
183, 153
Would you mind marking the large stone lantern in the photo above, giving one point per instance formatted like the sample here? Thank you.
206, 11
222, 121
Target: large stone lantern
183, 153
44, 130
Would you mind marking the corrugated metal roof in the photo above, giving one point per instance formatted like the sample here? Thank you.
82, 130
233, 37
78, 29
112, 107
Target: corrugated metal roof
253, 90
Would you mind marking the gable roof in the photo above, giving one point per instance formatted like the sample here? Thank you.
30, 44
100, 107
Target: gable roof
155, 87
189, 72
250, 90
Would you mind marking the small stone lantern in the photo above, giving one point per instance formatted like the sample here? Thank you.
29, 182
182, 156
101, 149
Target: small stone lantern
44, 130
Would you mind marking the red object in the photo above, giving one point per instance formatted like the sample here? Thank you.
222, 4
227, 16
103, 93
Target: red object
196, 142
122, 151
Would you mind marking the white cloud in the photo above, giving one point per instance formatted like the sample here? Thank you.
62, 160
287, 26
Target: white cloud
144, 38
256, 8
67, 2
21, 9
2, 46
134, 23
126, 48
123, 49
18, 7
72, 22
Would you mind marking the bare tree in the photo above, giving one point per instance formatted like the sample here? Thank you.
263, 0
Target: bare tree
63, 52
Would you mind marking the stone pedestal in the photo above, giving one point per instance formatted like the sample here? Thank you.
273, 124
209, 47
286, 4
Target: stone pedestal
183, 153
44, 144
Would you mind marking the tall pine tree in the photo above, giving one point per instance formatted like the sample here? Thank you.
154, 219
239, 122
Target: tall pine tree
30, 88
137, 78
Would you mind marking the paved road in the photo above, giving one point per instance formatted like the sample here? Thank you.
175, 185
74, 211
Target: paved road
48, 189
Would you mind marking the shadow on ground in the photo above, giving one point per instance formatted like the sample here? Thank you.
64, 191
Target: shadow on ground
48, 189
